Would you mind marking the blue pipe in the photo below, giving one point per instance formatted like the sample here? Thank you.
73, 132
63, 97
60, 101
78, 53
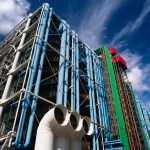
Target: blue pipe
106, 117
73, 74
101, 93
36, 90
90, 98
32, 72
144, 120
103, 104
60, 88
67, 66
93, 98
113, 142
96, 74
77, 73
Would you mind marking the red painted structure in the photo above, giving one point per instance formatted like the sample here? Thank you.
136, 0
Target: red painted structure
121, 61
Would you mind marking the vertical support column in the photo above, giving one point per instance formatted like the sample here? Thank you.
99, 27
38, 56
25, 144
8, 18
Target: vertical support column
107, 124
37, 86
32, 72
66, 66
15, 63
102, 106
96, 76
73, 74
60, 88
77, 73
92, 97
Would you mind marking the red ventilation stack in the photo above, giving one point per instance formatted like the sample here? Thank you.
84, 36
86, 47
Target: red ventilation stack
118, 59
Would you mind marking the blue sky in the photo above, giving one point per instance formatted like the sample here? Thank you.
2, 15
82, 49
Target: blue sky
123, 24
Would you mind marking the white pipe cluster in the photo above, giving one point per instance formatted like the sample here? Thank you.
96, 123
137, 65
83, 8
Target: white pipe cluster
61, 130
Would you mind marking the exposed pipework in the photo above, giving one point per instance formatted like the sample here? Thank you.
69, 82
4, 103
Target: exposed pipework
84, 128
32, 73
15, 63
36, 90
60, 90
60, 129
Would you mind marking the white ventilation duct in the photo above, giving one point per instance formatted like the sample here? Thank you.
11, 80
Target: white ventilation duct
61, 130
53, 119
84, 128
62, 134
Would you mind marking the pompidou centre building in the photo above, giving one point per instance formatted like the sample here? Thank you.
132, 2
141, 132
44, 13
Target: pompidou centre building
58, 94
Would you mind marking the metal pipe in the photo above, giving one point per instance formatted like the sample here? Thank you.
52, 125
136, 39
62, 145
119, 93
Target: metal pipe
32, 72
36, 90
93, 99
77, 73
96, 76
105, 117
73, 74
66, 66
60, 90
15, 63
90, 101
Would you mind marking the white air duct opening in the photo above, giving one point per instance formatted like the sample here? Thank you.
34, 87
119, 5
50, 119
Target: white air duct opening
62, 133
61, 130
84, 128
87, 125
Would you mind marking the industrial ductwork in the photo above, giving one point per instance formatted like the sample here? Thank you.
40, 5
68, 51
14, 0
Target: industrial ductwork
61, 130
84, 128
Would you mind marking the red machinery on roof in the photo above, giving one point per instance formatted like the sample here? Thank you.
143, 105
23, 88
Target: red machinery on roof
112, 51
121, 61
117, 58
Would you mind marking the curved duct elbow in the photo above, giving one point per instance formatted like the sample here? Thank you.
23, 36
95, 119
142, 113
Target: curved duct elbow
51, 121
61, 130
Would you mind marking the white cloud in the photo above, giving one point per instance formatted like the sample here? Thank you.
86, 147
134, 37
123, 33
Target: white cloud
138, 73
11, 13
148, 105
132, 26
138, 22
94, 21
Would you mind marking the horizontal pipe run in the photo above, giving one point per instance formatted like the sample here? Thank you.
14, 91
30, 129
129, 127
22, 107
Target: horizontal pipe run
31, 27
23, 65
21, 49
7, 100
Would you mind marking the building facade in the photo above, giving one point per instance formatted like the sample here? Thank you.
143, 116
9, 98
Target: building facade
46, 71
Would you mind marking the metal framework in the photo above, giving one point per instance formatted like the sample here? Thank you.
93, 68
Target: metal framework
44, 63
104, 53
